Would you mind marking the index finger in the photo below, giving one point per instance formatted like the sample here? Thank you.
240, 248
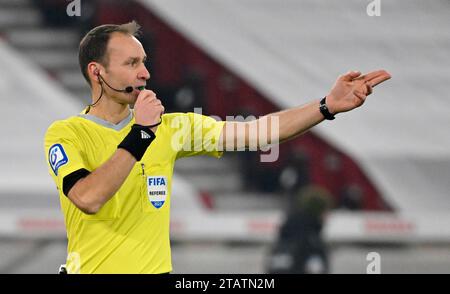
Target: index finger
376, 77
379, 79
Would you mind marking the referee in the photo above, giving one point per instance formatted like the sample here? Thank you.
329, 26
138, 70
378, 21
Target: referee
113, 165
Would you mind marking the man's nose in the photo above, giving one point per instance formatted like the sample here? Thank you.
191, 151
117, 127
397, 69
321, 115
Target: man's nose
144, 74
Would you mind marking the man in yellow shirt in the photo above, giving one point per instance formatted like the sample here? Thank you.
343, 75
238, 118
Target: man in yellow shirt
113, 166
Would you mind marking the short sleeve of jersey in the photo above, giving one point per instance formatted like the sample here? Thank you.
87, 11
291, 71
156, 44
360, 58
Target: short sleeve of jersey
202, 137
63, 152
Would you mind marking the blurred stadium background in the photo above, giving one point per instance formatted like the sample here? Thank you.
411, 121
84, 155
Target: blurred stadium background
386, 165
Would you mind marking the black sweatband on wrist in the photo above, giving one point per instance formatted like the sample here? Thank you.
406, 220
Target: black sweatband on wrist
71, 179
137, 141
324, 109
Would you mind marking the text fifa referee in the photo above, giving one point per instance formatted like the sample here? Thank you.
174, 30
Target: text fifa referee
113, 165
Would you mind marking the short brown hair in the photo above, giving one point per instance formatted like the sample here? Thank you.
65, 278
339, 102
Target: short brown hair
94, 44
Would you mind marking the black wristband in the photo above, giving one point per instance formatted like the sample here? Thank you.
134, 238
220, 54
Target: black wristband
324, 109
137, 141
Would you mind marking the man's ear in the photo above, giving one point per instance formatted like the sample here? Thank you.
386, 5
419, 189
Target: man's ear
94, 70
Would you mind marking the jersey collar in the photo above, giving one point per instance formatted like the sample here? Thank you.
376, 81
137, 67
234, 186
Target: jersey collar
108, 124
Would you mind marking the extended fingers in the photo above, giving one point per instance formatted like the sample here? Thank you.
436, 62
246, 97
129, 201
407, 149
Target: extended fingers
371, 75
376, 77
379, 79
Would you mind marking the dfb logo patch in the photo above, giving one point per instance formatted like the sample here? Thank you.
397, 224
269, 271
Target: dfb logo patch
57, 157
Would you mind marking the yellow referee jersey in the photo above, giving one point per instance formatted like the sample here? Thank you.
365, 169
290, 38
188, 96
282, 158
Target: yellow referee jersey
130, 233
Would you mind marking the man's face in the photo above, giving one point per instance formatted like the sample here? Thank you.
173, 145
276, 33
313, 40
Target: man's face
126, 67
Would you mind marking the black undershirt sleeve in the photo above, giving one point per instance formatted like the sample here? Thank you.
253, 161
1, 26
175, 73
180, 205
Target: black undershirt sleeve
71, 179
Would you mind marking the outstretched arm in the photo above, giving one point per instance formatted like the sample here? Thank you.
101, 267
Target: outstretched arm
349, 92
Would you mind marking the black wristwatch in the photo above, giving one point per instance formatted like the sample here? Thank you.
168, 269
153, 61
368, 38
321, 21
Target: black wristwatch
324, 109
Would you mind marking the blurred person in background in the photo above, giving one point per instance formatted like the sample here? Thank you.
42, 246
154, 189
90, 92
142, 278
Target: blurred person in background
294, 174
113, 165
300, 248
351, 197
